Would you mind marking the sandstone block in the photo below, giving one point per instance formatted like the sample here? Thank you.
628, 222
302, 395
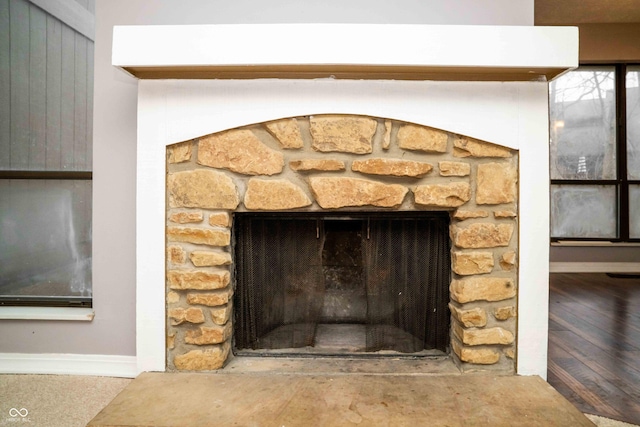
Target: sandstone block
479, 356
510, 352
200, 236
273, 195
347, 134
442, 195
176, 255
469, 318
239, 151
504, 313
190, 315
209, 259
203, 360
454, 168
200, 280
173, 297
508, 260
496, 183
485, 336
220, 219
171, 341
467, 147
221, 315
287, 132
178, 153
461, 215
504, 214
391, 167
306, 165
202, 188
421, 138
482, 288
332, 193
210, 299
386, 138
482, 235
208, 335
186, 217
467, 263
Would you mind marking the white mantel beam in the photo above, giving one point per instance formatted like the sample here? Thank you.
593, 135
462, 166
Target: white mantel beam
353, 51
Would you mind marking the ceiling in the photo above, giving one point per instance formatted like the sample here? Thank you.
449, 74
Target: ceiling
574, 12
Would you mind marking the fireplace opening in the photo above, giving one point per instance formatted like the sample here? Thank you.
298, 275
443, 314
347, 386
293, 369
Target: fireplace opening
342, 283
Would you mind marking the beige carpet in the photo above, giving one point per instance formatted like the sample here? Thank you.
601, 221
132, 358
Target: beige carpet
55, 400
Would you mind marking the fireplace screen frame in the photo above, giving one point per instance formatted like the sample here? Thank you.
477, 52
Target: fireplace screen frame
400, 309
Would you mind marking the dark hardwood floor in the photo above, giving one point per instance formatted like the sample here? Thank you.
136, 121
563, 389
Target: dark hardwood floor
594, 343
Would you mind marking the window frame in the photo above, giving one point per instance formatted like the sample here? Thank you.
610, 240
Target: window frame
622, 182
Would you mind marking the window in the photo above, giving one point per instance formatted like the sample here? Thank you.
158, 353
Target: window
595, 154
46, 102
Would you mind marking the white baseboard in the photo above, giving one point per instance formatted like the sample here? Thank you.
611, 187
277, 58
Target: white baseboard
69, 364
594, 267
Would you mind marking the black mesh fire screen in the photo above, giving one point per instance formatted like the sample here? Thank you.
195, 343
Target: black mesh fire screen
342, 284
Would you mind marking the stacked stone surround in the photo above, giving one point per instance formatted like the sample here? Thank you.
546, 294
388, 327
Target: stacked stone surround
348, 163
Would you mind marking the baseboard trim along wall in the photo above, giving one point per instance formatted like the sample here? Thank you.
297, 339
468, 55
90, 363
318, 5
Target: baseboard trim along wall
594, 267
69, 364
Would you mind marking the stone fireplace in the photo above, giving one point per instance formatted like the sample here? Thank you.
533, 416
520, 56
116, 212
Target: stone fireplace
456, 125
341, 163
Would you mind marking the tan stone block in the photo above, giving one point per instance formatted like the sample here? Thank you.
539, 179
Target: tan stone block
200, 236
178, 153
221, 315
287, 132
176, 255
208, 335
482, 235
273, 195
203, 360
470, 317
220, 219
347, 134
210, 299
461, 215
496, 183
173, 297
171, 341
454, 168
485, 336
209, 259
482, 288
181, 315
442, 195
186, 217
504, 313
202, 188
508, 260
392, 167
239, 151
197, 280
510, 352
421, 138
305, 165
467, 263
467, 147
479, 356
332, 193
504, 214
386, 138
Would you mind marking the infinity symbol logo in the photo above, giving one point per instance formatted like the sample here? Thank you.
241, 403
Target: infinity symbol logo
13, 412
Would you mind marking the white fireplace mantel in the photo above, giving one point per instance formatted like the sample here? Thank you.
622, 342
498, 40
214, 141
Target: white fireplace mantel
492, 87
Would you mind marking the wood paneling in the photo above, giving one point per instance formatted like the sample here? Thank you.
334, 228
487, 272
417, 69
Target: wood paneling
46, 91
594, 343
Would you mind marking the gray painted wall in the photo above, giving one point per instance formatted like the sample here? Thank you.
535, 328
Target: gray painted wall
114, 159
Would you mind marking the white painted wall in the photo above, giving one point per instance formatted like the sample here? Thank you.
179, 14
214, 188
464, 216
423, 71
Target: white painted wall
112, 332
